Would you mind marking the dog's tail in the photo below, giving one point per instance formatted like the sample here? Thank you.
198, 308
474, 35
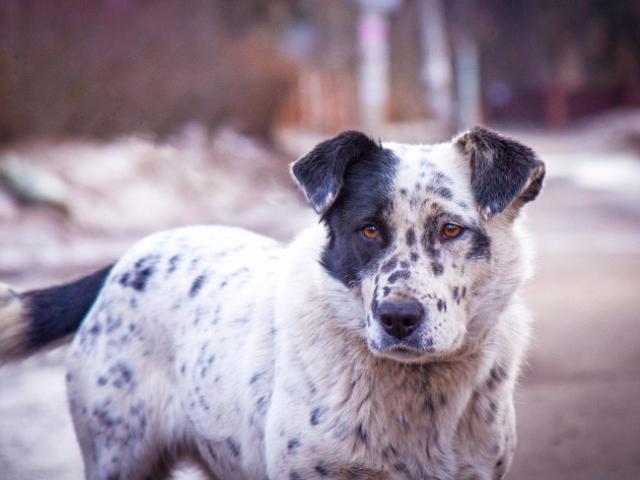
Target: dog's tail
35, 319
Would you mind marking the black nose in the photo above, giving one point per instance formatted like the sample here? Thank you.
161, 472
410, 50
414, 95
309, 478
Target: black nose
400, 319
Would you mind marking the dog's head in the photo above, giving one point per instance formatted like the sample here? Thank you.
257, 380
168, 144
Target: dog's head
422, 235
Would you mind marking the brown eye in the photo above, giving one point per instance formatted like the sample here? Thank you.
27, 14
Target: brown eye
370, 232
451, 230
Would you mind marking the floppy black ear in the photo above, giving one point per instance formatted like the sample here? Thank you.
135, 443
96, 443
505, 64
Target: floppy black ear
320, 173
503, 172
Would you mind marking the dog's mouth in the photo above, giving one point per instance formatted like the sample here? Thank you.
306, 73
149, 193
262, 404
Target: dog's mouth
400, 352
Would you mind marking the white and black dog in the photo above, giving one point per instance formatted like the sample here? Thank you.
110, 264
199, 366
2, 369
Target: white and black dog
383, 342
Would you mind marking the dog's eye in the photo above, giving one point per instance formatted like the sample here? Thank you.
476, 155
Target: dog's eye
370, 232
452, 230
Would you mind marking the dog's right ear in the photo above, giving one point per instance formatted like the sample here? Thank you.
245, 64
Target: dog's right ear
320, 173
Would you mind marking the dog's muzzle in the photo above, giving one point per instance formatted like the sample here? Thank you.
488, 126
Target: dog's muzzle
401, 318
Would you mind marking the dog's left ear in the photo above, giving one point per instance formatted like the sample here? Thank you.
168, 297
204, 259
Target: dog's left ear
504, 173
321, 172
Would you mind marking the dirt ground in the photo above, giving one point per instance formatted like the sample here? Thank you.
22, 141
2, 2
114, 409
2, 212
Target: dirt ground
579, 400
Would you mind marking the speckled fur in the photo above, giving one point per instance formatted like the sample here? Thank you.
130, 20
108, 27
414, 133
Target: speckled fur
248, 357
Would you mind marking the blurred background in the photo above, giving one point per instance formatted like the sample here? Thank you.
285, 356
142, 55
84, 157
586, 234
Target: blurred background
123, 117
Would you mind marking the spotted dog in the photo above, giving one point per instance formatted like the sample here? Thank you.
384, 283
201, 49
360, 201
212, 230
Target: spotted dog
383, 342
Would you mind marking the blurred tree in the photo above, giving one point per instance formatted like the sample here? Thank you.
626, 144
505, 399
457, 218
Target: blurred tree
110, 67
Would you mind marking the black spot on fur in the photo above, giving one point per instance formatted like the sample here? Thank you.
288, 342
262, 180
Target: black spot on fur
361, 434
233, 447
173, 263
141, 273
197, 285
256, 376
428, 239
455, 293
496, 376
398, 274
322, 469
389, 265
442, 192
294, 476
439, 178
386, 291
437, 268
414, 256
411, 237
317, 415
292, 445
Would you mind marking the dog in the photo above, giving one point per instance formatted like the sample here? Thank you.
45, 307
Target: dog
382, 343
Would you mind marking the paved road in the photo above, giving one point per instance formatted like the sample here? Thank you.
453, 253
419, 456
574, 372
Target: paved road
579, 400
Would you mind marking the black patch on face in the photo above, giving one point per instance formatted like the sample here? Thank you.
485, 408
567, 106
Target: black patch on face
437, 268
365, 198
411, 237
404, 274
480, 247
197, 285
386, 291
442, 305
413, 256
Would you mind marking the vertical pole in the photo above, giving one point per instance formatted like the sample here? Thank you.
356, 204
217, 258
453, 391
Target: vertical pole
373, 76
436, 62
467, 60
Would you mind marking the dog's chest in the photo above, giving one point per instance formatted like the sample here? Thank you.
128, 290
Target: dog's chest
398, 420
